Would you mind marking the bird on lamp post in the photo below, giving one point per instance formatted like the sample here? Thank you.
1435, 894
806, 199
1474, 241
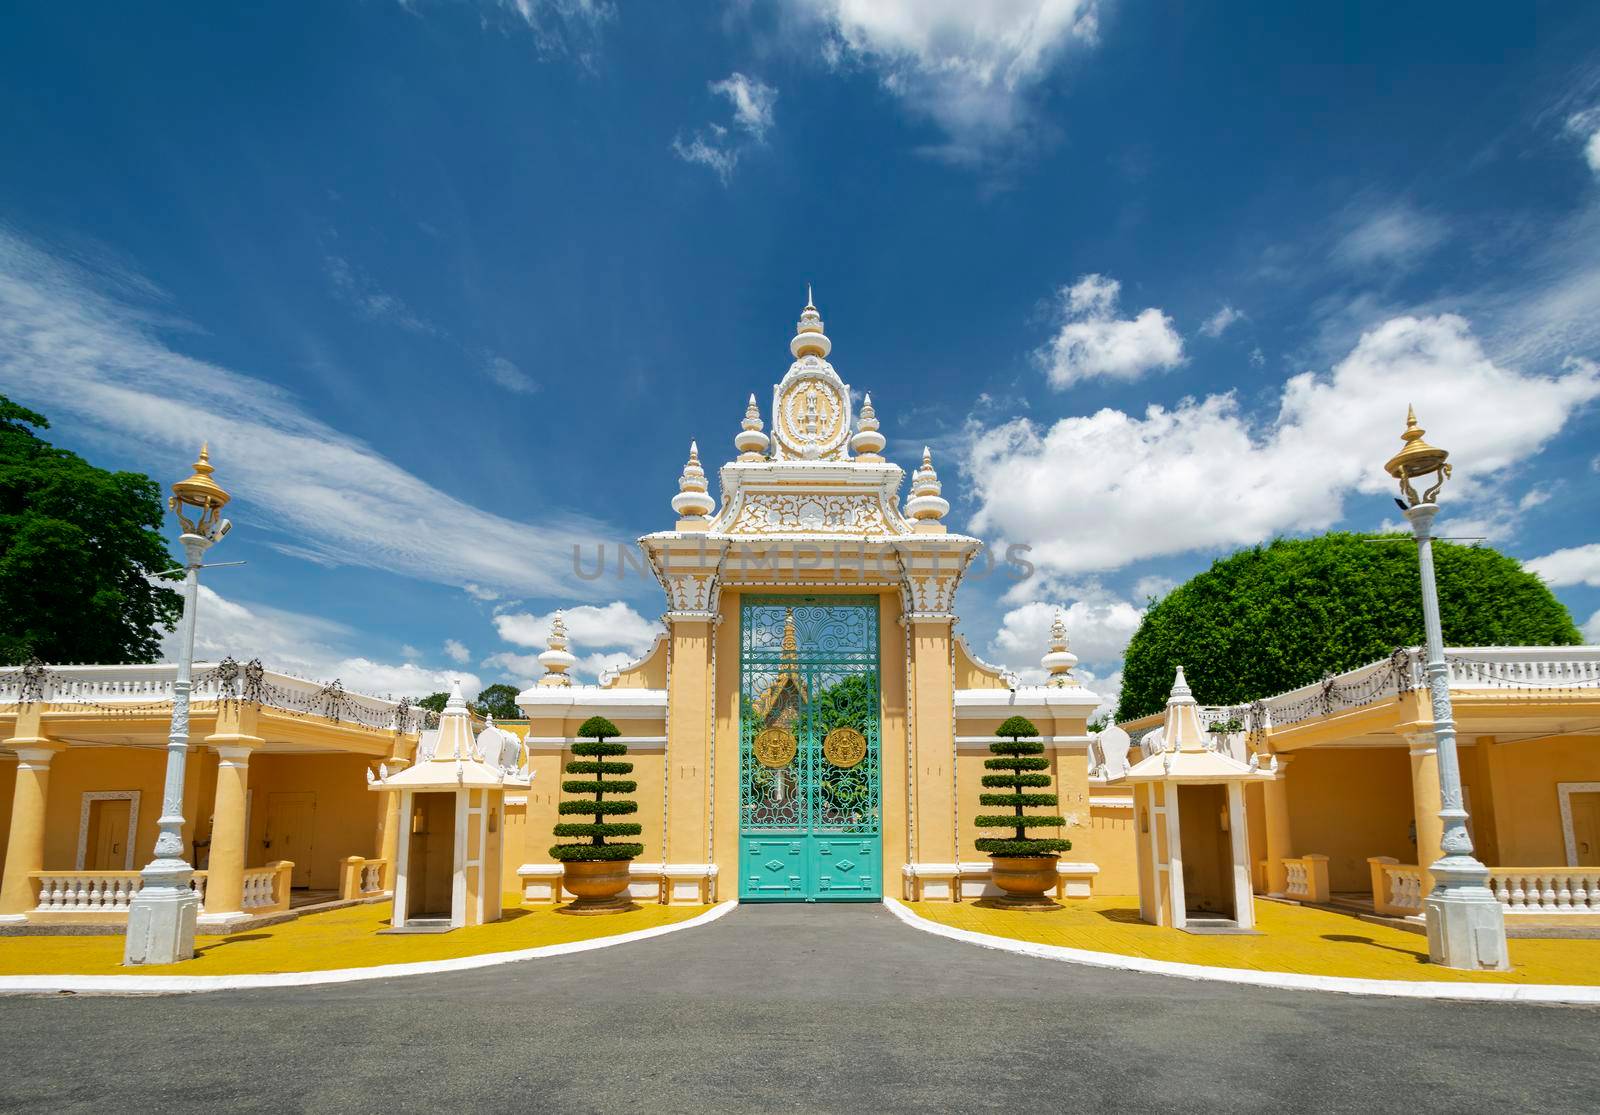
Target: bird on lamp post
1466, 926
161, 915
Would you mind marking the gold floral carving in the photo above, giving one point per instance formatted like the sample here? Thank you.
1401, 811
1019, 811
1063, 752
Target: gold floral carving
844, 747
775, 747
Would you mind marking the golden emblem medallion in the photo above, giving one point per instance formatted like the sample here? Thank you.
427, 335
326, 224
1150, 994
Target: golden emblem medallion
775, 747
844, 747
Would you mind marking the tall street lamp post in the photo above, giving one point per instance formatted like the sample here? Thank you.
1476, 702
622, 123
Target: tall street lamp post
1466, 927
161, 917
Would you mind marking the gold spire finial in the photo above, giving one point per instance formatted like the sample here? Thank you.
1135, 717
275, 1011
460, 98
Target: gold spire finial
198, 501
1417, 458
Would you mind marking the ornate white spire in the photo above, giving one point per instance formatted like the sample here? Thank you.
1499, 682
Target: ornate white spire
558, 659
750, 441
926, 506
808, 334
1060, 660
867, 443
1181, 730
693, 503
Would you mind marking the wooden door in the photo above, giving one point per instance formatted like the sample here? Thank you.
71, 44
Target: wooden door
107, 844
290, 832
1586, 828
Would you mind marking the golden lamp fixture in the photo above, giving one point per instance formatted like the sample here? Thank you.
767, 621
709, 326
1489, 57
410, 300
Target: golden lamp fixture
199, 500
1418, 458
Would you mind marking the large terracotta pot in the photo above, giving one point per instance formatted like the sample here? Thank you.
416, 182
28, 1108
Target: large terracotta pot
601, 886
1026, 881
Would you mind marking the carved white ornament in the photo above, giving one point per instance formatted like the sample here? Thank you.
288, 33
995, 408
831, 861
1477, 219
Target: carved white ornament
782, 513
811, 416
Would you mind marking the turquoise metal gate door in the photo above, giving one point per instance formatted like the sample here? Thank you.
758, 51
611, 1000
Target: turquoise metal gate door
809, 750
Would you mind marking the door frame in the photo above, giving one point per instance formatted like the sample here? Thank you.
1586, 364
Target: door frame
1564, 792
797, 597
90, 796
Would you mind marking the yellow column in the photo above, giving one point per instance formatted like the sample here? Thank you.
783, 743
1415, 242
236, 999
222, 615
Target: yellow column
388, 842
1425, 801
225, 874
25, 846
1275, 814
934, 747
688, 723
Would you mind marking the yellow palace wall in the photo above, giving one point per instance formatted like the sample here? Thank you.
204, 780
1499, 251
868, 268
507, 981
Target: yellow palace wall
79, 770
8, 788
346, 817
1349, 804
1525, 803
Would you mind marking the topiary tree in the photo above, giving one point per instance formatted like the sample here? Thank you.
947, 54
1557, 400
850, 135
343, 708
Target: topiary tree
1023, 763
1276, 617
596, 764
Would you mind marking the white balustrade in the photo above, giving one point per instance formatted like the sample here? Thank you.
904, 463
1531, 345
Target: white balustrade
1299, 885
86, 891
372, 878
1405, 887
1546, 890
260, 887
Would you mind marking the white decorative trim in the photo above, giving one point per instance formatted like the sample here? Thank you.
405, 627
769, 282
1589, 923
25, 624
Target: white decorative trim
1564, 792
1291, 981
127, 985
131, 796
1109, 801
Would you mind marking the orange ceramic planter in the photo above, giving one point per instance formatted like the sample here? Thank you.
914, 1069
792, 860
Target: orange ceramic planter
1026, 881
599, 887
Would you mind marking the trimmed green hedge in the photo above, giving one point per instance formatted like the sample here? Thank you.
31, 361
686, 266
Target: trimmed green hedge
1018, 757
597, 729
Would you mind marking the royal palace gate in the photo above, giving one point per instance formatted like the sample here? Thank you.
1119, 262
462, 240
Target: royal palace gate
809, 750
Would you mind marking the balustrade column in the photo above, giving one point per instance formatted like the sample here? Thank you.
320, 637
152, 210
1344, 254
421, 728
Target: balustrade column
1280, 845
25, 846
224, 896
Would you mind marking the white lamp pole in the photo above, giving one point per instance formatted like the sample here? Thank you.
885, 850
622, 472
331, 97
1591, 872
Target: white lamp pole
161, 917
1466, 926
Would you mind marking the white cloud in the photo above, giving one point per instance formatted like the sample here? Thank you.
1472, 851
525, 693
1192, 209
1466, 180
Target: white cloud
707, 148
357, 289
457, 651
478, 592
526, 670
305, 645
1591, 630
1146, 587
1576, 565
968, 67
1093, 341
1218, 322
1257, 357
1099, 626
67, 348
614, 625
503, 373
1390, 235
559, 27
715, 146
1102, 491
752, 102
1586, 126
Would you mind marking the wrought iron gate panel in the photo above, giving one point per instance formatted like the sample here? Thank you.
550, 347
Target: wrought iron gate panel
809, 820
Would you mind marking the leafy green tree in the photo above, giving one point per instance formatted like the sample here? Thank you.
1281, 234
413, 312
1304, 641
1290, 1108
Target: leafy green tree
78, 548
1276, 617
1024, 764
596, 764
499, 701
434, 701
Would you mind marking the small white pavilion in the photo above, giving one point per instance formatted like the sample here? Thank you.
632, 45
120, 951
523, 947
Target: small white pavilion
449, 857
1193, 848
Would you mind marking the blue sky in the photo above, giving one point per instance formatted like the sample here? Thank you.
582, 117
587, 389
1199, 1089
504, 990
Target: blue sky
450, 286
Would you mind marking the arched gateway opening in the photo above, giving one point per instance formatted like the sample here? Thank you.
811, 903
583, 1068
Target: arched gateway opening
809, 749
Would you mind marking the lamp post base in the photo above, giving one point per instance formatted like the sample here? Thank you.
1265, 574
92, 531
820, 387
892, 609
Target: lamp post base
1466, 924
161, 921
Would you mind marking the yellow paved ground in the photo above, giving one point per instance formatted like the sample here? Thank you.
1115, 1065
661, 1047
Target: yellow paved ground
1293, 939
345, 938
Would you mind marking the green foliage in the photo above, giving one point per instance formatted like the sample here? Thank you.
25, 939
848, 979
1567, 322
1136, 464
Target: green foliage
1276, 617
1016, 727
1017, 758
500, 702
78, 548
596, 848
598, 727
434, 701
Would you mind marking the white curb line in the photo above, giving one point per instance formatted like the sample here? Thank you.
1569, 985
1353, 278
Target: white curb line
135, 985
1290, 981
